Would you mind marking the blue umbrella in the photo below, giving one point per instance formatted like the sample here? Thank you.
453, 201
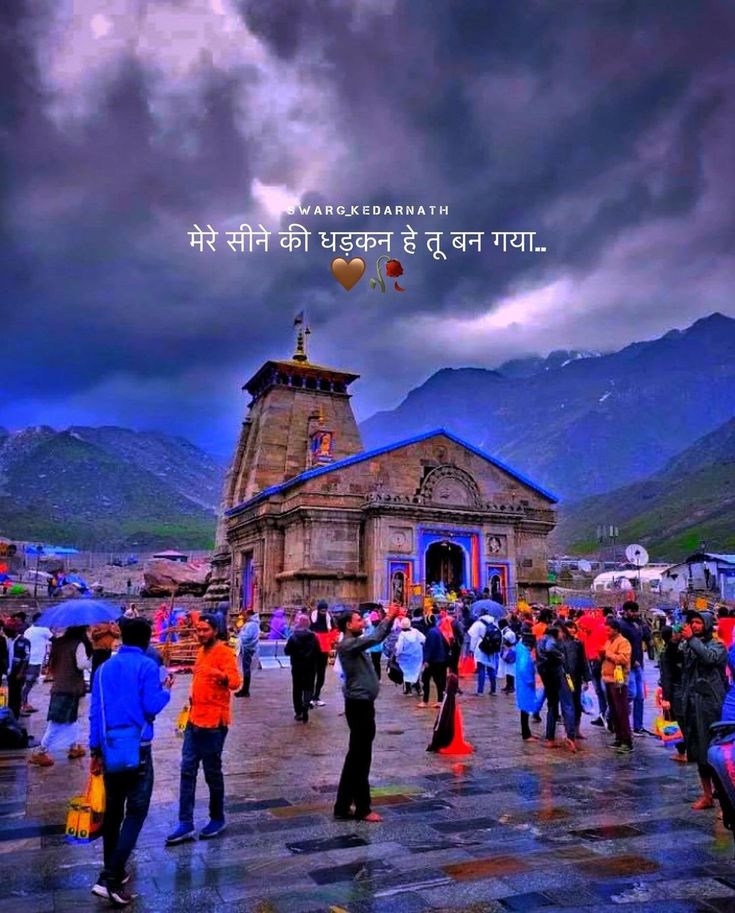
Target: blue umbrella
487, 607
79, 612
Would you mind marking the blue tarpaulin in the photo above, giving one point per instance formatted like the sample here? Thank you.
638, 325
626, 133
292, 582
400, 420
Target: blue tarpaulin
50, 550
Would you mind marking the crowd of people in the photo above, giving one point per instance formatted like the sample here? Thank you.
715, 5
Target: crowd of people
537, 657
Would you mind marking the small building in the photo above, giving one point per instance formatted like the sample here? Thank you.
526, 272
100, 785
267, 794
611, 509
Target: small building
645, 579
171, 555
307, 513
706, 571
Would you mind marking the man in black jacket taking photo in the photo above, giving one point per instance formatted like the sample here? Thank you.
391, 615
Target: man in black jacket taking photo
360, 689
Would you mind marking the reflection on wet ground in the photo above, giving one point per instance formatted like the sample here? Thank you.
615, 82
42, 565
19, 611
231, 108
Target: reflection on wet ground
513, 827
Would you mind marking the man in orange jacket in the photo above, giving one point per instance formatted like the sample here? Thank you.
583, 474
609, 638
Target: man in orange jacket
216, 676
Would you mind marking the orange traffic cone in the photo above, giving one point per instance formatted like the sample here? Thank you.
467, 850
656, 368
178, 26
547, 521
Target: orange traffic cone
467, 665
458, 744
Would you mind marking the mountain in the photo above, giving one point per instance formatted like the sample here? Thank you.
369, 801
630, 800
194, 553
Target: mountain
107, 488
691, 500
582, 423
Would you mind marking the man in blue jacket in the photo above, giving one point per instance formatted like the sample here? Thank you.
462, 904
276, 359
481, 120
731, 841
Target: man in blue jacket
129, 686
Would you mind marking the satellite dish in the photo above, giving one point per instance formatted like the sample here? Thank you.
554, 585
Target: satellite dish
637, 555
585, 566
624, 584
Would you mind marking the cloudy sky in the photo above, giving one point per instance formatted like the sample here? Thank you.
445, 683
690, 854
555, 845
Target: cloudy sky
607, 127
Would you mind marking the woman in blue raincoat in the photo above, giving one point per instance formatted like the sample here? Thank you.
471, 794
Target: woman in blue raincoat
525, 668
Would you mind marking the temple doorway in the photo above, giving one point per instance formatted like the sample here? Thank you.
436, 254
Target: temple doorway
445, 563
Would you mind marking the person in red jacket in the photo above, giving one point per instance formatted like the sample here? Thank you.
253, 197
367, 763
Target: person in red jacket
326, 633
593, 633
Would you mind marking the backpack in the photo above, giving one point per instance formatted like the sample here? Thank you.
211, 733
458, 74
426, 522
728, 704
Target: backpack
492, 639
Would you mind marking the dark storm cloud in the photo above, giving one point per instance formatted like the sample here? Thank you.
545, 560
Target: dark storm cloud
587, 123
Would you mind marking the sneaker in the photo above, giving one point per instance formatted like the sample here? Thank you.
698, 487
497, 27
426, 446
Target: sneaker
624, 749
639, 732
615, 745
183, 832
343, 816
116, 894
76, 751
211, 829
598, 722
318, 704
28, 709
41, 759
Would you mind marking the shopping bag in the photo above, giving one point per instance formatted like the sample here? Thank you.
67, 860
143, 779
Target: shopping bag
588, 704
619, 675
3, 696
82, 824
96, 793
667, 730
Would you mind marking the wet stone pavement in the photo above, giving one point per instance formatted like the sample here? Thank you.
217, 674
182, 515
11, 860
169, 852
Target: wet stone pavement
513, 827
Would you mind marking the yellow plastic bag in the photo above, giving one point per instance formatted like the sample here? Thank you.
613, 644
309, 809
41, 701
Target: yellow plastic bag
78, 820
96, 793
619, 675
182, 720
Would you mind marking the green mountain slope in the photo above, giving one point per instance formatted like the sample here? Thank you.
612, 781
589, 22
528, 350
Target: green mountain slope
56, 486
691, 500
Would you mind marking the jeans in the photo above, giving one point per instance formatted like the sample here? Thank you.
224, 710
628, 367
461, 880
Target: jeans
354, 784
596, 670
203, 745
483, 670
302, 681
437, 672
617, 699
127, 798
558, 692
636, 694
32, 673
321, 670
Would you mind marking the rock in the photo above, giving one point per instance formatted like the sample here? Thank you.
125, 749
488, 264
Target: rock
162, 577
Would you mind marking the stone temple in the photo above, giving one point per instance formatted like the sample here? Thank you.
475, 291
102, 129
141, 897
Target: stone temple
307, 513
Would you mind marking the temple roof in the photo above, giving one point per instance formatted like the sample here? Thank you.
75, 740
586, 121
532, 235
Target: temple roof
387, 448
294, 367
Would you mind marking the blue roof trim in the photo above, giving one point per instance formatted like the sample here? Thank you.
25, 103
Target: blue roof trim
387, 448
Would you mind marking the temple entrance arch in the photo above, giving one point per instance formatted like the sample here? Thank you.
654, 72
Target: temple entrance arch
445, 562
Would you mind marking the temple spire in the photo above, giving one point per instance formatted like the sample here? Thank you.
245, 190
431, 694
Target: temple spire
302, 332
